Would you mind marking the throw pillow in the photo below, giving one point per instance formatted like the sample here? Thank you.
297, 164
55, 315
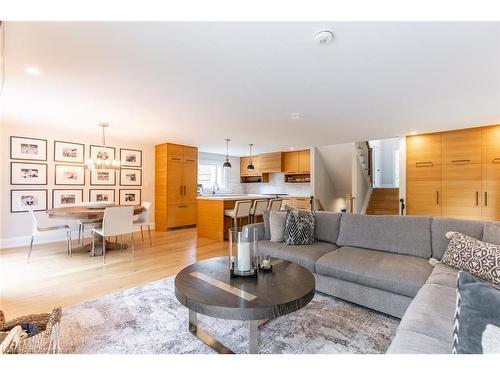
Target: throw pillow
476, 328
481, 259
491, 233
299, 228
277, 221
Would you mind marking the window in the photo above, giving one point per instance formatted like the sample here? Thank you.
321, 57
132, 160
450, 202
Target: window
211, 174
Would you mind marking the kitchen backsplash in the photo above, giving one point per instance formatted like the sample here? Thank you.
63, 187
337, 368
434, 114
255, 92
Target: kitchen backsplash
277, 185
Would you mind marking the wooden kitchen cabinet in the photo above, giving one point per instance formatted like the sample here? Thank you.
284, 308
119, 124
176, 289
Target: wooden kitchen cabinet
271, 162
424, 198
297, 162
462, 191
244, 161
462, 146
176, 175
491, 191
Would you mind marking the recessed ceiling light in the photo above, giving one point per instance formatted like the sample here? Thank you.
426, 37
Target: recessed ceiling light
292, 148
323, 37
413, 133
32, 70
295, 115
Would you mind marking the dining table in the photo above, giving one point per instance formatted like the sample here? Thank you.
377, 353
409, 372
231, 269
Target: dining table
84, 213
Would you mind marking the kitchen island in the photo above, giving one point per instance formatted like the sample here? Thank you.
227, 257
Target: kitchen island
212, 223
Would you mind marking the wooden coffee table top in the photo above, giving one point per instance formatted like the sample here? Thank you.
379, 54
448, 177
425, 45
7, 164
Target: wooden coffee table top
206, 288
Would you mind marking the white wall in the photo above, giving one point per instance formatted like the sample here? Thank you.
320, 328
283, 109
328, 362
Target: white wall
15, 227
360, 186
323, 186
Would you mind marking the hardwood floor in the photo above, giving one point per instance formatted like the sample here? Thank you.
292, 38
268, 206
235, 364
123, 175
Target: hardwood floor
54, 279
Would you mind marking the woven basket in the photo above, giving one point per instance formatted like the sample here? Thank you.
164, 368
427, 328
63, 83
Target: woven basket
46, 341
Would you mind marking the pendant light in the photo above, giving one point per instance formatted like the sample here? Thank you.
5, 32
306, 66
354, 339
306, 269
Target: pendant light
103, 162
250, 166
227, 164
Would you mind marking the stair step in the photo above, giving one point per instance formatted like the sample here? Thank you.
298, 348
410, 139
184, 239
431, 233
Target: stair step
382, 212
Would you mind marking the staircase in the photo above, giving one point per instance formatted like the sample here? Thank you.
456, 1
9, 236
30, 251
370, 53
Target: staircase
384, 201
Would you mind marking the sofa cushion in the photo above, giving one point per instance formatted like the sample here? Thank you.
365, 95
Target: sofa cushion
441, 225
409, 235
267, 229
402, 274
491, 233
305, 255
427, 326
299, 228
327, 226
443, 275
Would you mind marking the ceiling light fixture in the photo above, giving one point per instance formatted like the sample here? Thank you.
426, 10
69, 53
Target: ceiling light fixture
413, 133
250, 165
227, 163
32, 70
323, 37
291, 148
103, 161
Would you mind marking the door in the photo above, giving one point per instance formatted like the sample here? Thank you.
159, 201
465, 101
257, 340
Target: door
189, 182
175, 171
377, 167
304, 162
491, 191
462, 191
291, 162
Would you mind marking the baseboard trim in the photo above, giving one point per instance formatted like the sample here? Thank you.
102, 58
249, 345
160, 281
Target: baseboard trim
6, 243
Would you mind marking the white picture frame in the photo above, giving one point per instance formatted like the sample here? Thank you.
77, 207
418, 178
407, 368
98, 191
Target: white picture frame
26, 148
102, 177
28, 173
130, 177
66, 197
102, 195
130, 157
24, 200
69, 152
69, 174
130, 197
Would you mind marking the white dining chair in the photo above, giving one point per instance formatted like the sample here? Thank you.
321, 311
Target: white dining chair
144, 220
258, 208
275, 204
36, 230
117, 221
81, 228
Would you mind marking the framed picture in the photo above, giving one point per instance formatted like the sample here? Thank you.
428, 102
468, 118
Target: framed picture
130, 197
101, 195
28, 173
25, 200
130, 177
68, 152
130, 158
103, 177
70, 175
102, 152
66, 198
25, 148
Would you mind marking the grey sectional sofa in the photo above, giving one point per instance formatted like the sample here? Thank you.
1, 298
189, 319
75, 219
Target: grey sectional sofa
382, 262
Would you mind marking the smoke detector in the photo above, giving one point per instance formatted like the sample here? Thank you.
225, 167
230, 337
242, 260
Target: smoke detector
323, 37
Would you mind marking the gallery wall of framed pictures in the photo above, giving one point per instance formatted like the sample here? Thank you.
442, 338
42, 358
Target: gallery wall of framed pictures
32, 170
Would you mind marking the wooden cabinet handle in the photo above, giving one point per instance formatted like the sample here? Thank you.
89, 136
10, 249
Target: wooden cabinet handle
477, 198
461, 161
181, 189
176, 158
486, 199
424, 164
182, 206
437, 197
496, 160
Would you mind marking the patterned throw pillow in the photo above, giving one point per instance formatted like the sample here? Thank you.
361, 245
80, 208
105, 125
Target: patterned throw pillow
299, 228
480, 258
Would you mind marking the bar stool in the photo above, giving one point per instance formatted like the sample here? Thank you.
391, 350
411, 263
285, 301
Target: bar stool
241, 209
275, 204
258, 207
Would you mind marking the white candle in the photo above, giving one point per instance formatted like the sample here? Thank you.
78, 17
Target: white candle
244, 256
266, 263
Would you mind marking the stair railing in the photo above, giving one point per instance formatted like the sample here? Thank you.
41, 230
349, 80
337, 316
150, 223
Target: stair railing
402, 206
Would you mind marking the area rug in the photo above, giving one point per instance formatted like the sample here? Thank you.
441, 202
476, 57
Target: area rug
148, 319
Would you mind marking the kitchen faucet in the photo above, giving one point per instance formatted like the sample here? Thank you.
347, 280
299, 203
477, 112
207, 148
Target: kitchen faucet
215, 188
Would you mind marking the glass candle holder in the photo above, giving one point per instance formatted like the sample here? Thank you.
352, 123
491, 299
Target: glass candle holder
242, 252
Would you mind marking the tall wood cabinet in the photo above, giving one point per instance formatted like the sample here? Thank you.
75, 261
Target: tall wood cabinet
454, 174
176, 175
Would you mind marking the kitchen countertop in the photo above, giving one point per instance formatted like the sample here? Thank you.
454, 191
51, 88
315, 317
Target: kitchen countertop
246, 196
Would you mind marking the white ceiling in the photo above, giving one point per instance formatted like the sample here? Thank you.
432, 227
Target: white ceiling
198, 83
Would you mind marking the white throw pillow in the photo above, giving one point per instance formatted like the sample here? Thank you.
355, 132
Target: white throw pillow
277, 220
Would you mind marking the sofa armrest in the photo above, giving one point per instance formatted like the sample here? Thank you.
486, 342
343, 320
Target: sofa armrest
260, 230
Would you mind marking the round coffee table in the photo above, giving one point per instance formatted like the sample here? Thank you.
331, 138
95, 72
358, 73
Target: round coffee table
206, 288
